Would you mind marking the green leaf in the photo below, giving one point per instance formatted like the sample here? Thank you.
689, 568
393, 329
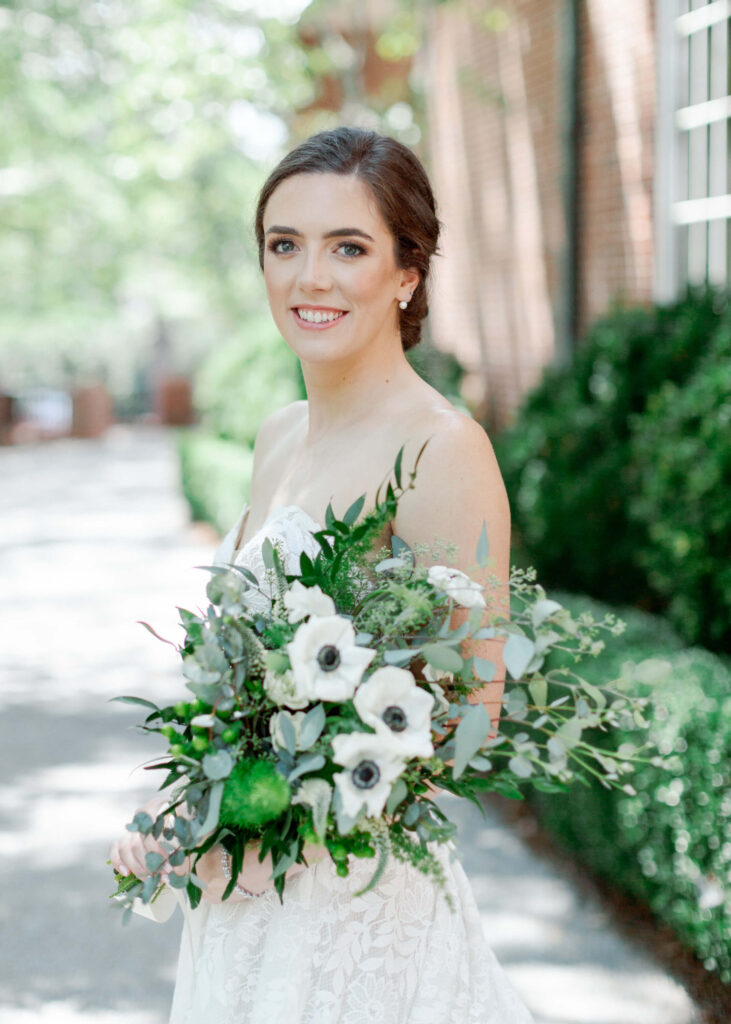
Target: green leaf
441, 657
517, 653
354, 511
311, 763
484, 669
217, 765
398, 793
135, 700
329, 516
154, 861
267, 553
214, 809
542, 609
398, 656
157, 636
209, 693
177, 881
483, 546
470, 735
397, 466
287, 860
312, 725
538, 688
288, 733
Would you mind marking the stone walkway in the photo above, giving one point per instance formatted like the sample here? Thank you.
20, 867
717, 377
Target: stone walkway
93, 536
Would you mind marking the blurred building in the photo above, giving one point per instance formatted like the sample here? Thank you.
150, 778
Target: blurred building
580, 155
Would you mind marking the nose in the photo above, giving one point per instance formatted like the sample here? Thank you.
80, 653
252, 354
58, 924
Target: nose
314, 273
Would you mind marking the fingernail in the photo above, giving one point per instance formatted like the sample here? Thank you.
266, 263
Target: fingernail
123, 870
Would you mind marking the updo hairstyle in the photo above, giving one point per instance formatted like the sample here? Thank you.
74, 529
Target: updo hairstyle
399, 185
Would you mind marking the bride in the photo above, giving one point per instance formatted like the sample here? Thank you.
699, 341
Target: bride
346, 227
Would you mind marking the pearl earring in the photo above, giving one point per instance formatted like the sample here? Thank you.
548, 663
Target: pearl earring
403, 303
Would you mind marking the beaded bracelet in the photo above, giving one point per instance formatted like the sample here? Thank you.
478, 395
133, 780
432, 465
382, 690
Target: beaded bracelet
238, 889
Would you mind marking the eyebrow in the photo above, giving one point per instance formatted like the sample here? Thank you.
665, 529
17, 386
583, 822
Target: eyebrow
278, 229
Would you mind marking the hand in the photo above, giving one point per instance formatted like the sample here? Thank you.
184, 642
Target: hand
128, 853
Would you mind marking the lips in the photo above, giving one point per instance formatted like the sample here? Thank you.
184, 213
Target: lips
318, 317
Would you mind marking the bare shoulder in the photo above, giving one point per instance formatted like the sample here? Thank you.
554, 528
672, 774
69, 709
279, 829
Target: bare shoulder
274, 435
458, 486
277, 425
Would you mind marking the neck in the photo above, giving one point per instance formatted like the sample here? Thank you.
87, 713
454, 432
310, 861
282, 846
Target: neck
341, 394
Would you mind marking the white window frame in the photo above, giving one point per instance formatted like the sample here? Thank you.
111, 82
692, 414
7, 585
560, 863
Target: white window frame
692, 174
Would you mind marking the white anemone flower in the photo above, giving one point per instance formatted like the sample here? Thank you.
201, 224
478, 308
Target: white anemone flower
301, 601
372, 765
392, 703
457, 585
282, 689
326, 661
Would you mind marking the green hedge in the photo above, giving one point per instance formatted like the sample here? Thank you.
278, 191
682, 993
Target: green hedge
215, 476
670, 845
592, 510
681, 447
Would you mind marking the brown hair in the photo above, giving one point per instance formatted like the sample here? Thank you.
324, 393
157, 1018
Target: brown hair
400, 186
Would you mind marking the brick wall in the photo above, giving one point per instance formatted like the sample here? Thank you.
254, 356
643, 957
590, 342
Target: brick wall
496, 159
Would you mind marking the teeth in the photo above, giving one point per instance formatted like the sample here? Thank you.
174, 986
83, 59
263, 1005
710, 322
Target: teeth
315, 316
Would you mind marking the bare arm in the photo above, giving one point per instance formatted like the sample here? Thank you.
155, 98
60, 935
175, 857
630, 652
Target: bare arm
458, 485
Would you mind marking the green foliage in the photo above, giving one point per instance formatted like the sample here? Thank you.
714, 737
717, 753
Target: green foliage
244, 379
681, 448
668, 844
215, 477
570, 461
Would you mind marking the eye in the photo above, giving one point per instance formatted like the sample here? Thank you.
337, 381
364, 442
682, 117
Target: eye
276, 243
359, 250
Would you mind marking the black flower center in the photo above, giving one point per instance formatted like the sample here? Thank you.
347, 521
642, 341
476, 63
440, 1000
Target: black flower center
328, 658
366, 775
395, 718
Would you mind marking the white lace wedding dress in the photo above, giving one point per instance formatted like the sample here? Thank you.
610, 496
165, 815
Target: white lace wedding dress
397, 955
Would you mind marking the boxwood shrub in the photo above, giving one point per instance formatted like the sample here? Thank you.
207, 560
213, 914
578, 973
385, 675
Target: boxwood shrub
681, 449
215, 477
568, 459
670, 845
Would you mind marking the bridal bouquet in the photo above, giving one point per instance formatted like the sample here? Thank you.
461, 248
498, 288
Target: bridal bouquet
322, 703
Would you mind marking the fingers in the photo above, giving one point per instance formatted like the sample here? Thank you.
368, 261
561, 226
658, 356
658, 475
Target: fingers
128, 854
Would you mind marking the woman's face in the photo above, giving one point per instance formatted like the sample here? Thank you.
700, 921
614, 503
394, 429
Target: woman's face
329, 266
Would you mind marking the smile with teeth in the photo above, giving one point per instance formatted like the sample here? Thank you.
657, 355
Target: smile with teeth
318, 316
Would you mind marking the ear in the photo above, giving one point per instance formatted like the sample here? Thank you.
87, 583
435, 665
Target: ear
410, 278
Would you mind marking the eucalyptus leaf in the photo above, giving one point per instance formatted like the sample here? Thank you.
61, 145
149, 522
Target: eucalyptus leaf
517, 653
153, 861
399, 656
214, 809
441, 657
484, 669
288, 733
177, 881
267, 553
398, 792
483, 546
470, 736
401, 549
311, 763
538, 689
542, 609
217, 765
312, 725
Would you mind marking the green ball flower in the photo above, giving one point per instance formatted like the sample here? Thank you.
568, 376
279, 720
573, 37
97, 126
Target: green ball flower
254, 793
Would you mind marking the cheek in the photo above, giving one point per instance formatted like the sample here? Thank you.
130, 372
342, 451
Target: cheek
370, 284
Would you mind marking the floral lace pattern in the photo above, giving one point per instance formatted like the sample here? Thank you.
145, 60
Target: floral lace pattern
396, 955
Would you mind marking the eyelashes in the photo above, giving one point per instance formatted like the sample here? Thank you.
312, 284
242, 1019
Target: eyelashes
274, 244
